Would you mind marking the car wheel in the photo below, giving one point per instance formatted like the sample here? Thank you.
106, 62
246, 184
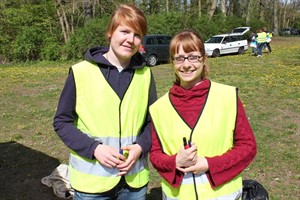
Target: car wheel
241, 50
216, 53
152, 60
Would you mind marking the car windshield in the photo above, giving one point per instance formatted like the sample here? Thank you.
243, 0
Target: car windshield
238, 30
214, 40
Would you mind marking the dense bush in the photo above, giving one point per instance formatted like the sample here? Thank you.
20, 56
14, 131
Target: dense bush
165, 23
51, 49
92, 34
28, 43
24, 28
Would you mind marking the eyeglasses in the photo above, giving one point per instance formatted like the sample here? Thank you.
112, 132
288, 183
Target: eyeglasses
190, 58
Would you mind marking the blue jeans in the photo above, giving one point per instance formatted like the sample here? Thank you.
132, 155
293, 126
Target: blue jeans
260, 47
121, 192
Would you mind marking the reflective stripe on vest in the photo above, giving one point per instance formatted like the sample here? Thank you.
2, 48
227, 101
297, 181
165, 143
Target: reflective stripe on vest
103, 116
213, 134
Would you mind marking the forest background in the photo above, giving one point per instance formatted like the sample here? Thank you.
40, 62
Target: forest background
58, 30
54, 35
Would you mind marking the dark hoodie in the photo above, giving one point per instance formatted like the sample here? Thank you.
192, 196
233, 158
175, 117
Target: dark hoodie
119, 81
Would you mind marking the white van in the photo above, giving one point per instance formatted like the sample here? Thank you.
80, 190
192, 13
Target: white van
226, 44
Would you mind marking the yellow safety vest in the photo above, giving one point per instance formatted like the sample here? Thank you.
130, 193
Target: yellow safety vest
261, 37
213, 134
103, 116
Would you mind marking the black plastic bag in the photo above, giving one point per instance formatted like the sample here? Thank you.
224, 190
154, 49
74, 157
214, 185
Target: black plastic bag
253, 190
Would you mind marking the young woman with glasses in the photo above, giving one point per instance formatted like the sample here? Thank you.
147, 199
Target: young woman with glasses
201, 137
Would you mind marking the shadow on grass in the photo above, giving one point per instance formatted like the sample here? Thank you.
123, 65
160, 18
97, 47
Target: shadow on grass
21, 170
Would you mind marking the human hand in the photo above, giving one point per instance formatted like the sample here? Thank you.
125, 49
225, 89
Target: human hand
200, 167
134, 152
186, 157
108, 156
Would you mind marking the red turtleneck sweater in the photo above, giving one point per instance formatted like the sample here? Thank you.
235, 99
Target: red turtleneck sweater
222, 168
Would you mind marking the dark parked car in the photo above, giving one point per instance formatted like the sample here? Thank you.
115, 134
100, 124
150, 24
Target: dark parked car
155, 48
289, 31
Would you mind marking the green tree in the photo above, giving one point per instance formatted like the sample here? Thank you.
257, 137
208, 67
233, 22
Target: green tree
60, 29
24, 25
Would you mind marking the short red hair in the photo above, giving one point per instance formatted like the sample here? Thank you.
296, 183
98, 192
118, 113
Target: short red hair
127, 15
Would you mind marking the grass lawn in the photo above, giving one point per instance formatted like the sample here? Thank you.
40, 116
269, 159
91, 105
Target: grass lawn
269, 88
